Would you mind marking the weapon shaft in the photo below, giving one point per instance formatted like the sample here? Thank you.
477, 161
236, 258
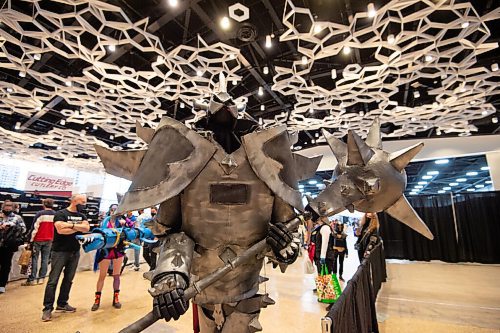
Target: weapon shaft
199, 286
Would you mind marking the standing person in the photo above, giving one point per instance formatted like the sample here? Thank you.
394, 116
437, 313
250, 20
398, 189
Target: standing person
339, 249
104, 258
323, 240
148, 252
68, 223
367, 233
42, 234
12, 228
131, 220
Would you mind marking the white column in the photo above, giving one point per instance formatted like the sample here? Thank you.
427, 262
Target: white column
493, 159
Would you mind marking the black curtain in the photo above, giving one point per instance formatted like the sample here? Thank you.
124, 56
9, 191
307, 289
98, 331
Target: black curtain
402, 242
478, 224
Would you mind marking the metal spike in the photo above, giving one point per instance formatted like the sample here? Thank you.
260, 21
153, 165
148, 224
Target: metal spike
254, 325
339, 149
400, 159
263, 279
283, 267
358, 152
374, 138
266, 300
403, 212
284, 253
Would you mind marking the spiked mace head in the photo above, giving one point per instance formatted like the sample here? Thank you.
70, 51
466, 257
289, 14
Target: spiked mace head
369, 179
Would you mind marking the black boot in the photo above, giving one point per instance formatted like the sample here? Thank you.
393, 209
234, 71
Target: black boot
116, 301
97, 301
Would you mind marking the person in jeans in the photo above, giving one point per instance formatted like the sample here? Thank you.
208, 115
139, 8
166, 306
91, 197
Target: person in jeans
42, 235
12, 228
65, 254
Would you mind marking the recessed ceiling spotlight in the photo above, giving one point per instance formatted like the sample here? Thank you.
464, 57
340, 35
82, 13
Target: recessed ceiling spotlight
433, 173
148, 99
225, 23
313, 182
334, 74
68, 83
418, 187
416, 94
262, 107
301, 186
494, 67
313, 141
438, 132
453, 184
472, 102
173, 3
94, 127
22, 74
485, 168
471, 173
422, 183
488, 182
232, 56
317, 28
413, 193
371, 10
426, 177
316, 135
17, 126
311, 110
260, 92
390, 39
442, 161
494, 120
235, 82
265, 70
269, 42
111, 91
38, 108
461, 180
465, 24
112, 48
304, 60
199, 72
413, 119
63, 122
37, 56
446, 188
471, 189
182, 105
479, 186
9, 90
346, 50
484, 113
429, 58
441, 191
111, 137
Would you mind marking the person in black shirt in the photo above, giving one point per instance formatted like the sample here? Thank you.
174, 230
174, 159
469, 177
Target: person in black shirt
339, 249
68, 223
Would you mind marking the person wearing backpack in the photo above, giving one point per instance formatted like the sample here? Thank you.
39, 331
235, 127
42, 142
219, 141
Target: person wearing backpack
12, 229
321, 236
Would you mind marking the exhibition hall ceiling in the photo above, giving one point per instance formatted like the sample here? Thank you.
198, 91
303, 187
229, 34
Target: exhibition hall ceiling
76, 73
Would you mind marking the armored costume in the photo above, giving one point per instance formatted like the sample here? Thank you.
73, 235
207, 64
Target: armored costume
218, 197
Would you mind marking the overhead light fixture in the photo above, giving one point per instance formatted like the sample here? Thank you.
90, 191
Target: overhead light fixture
390, 39
471, 173
429, 58
418, 187
316, 135
334, 74
17, 126
63, 122
313, 141
317, 28
446, 188
9, 90
265, 70
262, 107
199, 72
68, 83
311, 110
111, 137
346, 50
173, 3
438, 132
225, 23
148, 99
479, 186
371, 10
304, 60
426, 177
453, 184
38, 108
471, 190
269, 42
442, 161
413, 193
441, 191
485, 168
37, 56
422, 183
235, 82
461, 180
22, 74
111, 91
182, 105
94, 127
260, 92
112, 48
433, 173
465, 24
312, 182
416, 94
494, 120
488, 182
484, 113
301, 186
413, 119
494, 67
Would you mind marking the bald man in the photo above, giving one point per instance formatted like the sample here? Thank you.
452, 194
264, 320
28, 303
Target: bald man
68, 223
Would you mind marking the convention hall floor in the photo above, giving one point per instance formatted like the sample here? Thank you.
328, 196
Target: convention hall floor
419, 297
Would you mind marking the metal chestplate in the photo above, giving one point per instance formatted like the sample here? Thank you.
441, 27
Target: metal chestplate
226, 206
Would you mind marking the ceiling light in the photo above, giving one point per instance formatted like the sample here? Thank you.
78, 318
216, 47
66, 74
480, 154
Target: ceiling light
347, 50
317, 28
371, 10
446, 188
235, 82
313, 182
265, 70
334, 74
94, 127
112, 48
111, 137
63, 122
441, 191
418, 187
471, 189
416, 94
37, 56
260, 92
59, 148
438, 131
316, 135
111, 91
461, 180
262, 108
413, 119
18, 126
422, 183
199, 72
494, 67
182, 105
390, 39
465, 24
68, 83
38, 108
304, 60
429, 58
311, 110
313, 141
148, 99
471, 173
22, 74
433, 173
269, 42
453, 184
488, 182
479, 186
308, 193
427, 177
301, 186
225, 23
435, 105
9, 90
484, 113
494, 120
173, 3
442, 161
485, 168
413, 193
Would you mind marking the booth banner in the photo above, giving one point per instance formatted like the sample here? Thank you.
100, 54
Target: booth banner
48, 184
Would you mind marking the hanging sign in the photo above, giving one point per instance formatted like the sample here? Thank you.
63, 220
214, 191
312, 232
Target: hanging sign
50, 184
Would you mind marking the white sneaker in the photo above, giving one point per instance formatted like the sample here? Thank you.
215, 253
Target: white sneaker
40, 281
2, 290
